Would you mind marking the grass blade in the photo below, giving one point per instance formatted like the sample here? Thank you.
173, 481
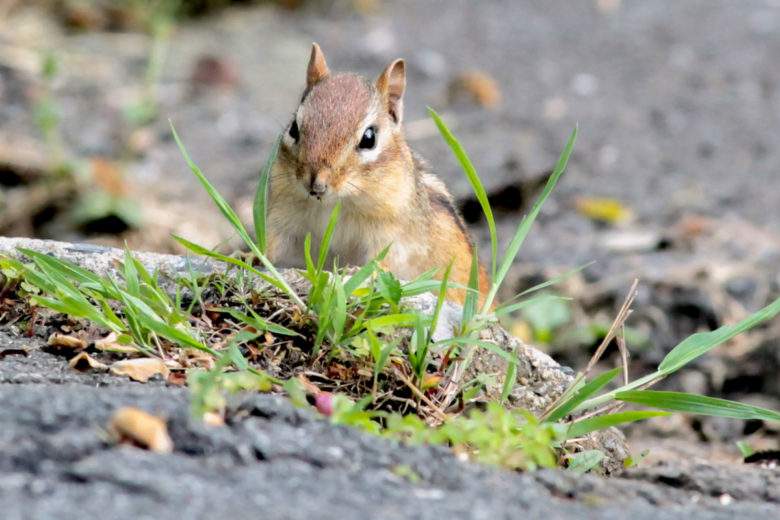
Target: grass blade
476, 184
439, 302
220, 201
131, 274
327, 236
583, 393
547, 283
203, 251
232, 217
339, 314
364, 273
510, 379
509, 308
257, 322
151, 321
393, 320
67, 269
472, 295
527, 222
697, 404
260, 205
698, 344
601, 422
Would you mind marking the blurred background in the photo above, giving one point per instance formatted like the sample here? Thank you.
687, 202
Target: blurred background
675, 179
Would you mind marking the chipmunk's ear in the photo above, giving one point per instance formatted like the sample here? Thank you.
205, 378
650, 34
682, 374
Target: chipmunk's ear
391, 85
318, 68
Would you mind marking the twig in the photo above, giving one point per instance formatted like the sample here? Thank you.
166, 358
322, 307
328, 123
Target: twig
621, 343
619, 320
416, 391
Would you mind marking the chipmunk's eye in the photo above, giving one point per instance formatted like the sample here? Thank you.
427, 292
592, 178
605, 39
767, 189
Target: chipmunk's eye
294, 133
368, 141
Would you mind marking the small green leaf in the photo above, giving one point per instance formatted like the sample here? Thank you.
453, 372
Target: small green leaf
585, 461
389, 287
310, 269
393, 320
339, 315
510, 379
364, 273
745, 449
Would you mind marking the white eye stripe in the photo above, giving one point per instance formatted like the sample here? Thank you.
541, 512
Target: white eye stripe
286, 137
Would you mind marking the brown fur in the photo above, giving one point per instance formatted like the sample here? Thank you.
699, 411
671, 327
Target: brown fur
387, 195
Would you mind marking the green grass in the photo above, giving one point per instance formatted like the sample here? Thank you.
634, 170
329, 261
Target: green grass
357, 320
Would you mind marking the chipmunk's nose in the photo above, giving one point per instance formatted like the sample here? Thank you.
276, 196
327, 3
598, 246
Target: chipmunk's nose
318, 188
319, 184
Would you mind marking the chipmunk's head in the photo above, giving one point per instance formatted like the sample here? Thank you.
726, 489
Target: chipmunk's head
346, 133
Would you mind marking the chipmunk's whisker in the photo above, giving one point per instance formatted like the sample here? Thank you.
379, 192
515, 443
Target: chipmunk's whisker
358, 188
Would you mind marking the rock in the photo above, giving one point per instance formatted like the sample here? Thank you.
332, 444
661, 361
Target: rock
539, 380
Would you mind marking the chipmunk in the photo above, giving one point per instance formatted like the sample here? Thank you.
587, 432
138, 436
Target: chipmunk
345, 143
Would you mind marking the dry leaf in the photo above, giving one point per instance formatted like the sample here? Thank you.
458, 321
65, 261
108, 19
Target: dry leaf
601, 209
140, 369
338, 371
522, 331
193, 357
213, 419
297, 318
693, 226
144, 429
430, 381
477, 86
84, 361
110, 344
63, 341
608, 6
108, 176
178, 378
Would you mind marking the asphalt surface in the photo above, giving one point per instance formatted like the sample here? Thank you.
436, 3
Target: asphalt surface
272, 460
